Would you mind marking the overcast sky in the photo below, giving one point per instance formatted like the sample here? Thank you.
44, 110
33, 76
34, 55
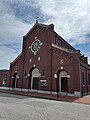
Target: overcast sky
71, 19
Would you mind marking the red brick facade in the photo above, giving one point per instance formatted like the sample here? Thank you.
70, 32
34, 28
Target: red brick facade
49, 64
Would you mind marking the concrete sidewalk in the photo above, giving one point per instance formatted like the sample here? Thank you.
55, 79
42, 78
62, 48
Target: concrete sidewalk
83, 100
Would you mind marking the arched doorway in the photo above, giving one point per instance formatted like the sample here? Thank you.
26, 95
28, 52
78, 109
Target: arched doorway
35, 79
63, 81
15, 80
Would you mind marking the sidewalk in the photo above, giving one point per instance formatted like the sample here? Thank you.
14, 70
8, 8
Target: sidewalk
83, 100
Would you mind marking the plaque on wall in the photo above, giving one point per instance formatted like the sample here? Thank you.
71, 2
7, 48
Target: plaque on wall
43, 83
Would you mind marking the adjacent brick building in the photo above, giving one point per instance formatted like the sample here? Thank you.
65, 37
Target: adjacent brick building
49, 64
4, 77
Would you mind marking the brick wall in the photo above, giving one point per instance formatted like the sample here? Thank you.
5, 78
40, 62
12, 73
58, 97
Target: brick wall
45, 36
49, 60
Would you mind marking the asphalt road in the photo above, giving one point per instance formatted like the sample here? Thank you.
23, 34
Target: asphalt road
15, 107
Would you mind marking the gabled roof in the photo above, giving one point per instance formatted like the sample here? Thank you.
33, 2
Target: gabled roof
39, 25
17, 58
64, 41
47, 27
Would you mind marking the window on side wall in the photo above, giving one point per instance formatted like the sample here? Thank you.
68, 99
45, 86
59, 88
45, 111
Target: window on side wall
83, 78
89, 79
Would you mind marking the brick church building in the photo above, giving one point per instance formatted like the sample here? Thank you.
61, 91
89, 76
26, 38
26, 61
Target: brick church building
49, 64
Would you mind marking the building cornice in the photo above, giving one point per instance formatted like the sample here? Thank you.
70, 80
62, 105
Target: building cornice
64, 49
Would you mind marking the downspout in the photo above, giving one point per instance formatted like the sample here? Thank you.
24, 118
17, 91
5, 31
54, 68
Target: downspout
51, 69
10, 73
80, 79
23, 54
86, 83
52, 29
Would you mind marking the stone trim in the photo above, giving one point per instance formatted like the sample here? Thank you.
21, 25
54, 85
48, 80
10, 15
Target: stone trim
63, 49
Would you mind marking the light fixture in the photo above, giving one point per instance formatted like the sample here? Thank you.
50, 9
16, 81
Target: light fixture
30, 60
55, 75
34, 65
68, 76
28, 74
15, 71
61, 67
